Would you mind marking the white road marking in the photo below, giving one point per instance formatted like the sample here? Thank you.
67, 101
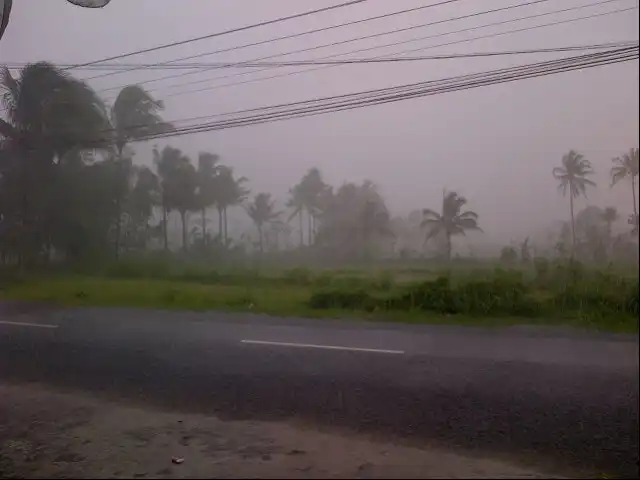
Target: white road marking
27, 324
325, 347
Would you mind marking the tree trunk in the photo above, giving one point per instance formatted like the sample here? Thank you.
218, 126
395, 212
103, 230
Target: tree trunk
183, 217
226, 227
260, 240
573, 225
301, 218
309, 228
448, 247
635, 208
203, 221
118, 205
165, 227
220, 227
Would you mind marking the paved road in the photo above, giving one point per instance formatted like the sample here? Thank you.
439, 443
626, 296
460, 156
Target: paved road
562, 397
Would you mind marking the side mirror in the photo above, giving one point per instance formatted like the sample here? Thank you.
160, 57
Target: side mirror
5, 9
90, 3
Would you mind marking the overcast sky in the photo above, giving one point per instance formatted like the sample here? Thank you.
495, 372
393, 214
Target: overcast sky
495, 145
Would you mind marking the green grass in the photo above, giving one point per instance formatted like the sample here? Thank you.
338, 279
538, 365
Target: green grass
553, 295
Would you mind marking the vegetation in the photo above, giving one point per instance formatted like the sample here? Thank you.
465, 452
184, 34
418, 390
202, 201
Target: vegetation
82, 221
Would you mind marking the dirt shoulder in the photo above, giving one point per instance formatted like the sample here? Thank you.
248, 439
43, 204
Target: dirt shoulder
46, 434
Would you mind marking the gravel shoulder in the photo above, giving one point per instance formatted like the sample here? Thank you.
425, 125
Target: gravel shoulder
50, 434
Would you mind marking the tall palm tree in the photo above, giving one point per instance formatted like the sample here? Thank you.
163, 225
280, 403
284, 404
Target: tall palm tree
626, 166
296, 203
452, 221
262, 211
207, 173
49, 115
572, 178
50, 112
231, 192
168, 161
134, 115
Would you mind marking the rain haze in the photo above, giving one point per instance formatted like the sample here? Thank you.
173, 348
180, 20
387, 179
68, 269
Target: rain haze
429, 266
496, 145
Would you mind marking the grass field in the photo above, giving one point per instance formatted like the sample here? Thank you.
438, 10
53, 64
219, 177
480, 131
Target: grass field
549, 294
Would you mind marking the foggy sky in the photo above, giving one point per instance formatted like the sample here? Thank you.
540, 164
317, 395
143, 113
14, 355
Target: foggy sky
496, 145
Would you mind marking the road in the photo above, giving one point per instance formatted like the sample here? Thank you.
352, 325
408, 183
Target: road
565, 398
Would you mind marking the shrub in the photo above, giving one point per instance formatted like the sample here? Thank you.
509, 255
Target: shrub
338, 299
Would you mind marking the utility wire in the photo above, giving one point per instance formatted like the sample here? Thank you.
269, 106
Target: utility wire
365, 61
466, 40
223, 32
401, 92
309, 111
285, 37
343, 42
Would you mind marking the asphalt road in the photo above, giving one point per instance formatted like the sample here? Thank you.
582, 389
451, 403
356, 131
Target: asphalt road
564, 398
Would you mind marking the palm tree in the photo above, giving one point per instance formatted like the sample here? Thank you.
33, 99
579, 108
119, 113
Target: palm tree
178, 184
134, 115
452, 221
262, 211
311, 187
572, 176
49, 115
51, 112
230, 192
626, 166
296, 203
207, 172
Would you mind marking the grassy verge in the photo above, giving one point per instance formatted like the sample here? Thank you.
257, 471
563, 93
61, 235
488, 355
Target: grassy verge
496, 299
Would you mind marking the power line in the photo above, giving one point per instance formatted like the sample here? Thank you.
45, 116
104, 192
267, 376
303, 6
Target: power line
355, 61
221, 33
316, 110
491, 35
400, 92
343, 42
276, 39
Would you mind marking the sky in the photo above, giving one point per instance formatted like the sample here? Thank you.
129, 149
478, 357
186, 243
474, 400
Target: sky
495, 145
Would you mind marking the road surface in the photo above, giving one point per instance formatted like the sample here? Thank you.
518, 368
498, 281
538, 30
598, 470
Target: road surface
568, 399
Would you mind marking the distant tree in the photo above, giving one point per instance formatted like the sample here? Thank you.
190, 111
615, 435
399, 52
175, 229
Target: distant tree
134, 115
525, 251
207, 176
626, 166
296, 203
262, 211
353, 220
178, 186
572, 177
610, 216
230, 192
451, 221
508, 255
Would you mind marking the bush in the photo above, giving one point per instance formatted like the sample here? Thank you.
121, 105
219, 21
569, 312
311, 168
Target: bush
339, 299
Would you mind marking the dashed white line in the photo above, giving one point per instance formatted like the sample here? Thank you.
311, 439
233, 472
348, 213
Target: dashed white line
325, 347
27, 324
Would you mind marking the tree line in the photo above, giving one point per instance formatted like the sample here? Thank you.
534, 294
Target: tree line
70, 189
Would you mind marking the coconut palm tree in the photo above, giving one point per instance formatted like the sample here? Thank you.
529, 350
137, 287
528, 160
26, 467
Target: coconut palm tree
134, 115
572, 178
207, 173
230, 192
296, 203
626, 166
262, 211
452, 221
49, 116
